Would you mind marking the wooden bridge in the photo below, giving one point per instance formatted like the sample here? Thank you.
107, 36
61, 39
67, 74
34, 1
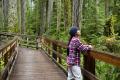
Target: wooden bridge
45, 63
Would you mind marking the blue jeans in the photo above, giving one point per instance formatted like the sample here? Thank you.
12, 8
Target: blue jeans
74, 72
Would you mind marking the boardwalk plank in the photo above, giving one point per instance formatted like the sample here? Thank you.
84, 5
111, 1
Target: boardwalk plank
34, 65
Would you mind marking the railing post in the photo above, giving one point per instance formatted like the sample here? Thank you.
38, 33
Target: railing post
60, 51
48, 48
89, 65
54, 46
37, 41
27, 42
5, 58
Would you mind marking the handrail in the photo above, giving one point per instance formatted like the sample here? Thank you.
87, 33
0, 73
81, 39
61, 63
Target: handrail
15, 34
106, 57
8, 54
89, 59
25, 40
55, 50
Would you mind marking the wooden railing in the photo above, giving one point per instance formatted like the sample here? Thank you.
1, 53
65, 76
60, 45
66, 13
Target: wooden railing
8, 55
28, 41
5, 38
55, 49
25, 40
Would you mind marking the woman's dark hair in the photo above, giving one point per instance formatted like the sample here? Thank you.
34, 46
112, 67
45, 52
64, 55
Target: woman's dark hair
72, 33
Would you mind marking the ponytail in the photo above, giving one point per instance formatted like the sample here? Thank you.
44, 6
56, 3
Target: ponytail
68, 45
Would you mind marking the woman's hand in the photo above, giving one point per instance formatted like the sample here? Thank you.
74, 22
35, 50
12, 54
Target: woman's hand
90, 46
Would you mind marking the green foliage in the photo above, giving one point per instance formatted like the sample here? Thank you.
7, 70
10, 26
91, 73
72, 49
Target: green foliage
92, 32
1, 65
106, 71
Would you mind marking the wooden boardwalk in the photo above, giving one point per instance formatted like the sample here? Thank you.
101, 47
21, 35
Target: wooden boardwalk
35, 65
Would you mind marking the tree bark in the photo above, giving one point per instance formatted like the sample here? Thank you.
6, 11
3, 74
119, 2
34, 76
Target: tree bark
96, 13
12, 16
67, 13
106, 8
5, 5
75, 13
58, 16
23, 28
81, 14
19, 15
50, 10
1, 17
42, 13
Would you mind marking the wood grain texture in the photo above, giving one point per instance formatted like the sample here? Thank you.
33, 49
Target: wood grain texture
34, 65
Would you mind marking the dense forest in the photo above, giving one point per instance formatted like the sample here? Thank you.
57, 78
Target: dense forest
98, 21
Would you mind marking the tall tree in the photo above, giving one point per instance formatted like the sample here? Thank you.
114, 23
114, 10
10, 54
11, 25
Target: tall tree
106, 8
58, 16
43, 15
96, 12
81, 15
23, 28
12, 16
5, 5
19, 15
1, 16
67, 13
76, 12
49, 12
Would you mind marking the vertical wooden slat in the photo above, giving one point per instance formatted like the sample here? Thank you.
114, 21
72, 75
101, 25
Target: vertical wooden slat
49, 49
60, 51
54, 46
37, 41
5, 58
89, 65
27, 42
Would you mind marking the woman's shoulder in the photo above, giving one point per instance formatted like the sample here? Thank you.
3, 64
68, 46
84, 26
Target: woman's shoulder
75, 39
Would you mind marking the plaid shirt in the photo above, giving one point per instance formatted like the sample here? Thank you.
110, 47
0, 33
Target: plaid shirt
75, 47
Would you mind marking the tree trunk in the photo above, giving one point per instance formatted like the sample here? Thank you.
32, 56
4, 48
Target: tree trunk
37, 19
5, 5
58, 16
96, 13
12, 16
1, 17
23, 28
75, 13
106, 8
41, 17
42, 13
81, 16
67, 13
19, 15
50, 9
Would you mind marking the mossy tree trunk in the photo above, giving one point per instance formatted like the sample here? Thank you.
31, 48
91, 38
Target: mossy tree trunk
23, 28
12, 16
106, 8
49, 12
76, 12
81, 14
67, 13
19, 15
5, 5
43, 15
1, 17
58, 16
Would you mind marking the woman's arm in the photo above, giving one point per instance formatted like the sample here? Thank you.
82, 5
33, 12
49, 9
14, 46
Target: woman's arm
82, 47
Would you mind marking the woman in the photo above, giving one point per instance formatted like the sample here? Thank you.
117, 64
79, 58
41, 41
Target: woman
73, 58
